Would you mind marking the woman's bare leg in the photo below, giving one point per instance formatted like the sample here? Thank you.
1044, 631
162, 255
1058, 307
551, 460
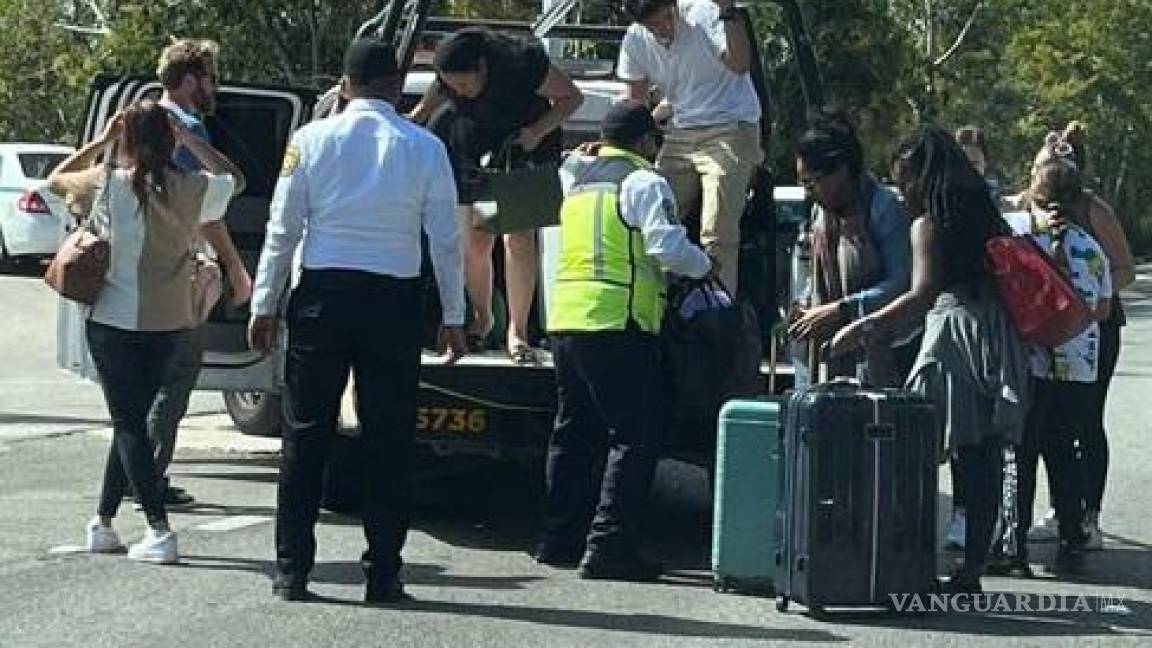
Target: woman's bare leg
477, 251
520, 268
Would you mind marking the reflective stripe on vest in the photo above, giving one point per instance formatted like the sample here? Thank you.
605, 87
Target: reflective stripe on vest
605, 278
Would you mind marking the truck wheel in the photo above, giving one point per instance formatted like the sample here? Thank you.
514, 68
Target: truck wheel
255, 413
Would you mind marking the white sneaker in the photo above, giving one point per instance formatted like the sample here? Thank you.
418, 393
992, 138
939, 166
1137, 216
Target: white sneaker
101, 539
954, 534
1045, 529
155, 547
1091, 527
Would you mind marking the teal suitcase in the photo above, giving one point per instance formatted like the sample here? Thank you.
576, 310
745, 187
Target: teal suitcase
747, 486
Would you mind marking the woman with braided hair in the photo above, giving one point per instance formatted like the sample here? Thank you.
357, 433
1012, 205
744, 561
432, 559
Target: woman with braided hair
971, 363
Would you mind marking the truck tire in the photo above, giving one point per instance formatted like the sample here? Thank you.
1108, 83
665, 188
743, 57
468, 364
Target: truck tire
255, 413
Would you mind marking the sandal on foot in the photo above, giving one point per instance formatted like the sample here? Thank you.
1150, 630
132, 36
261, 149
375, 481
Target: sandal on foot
523, 355
476, 343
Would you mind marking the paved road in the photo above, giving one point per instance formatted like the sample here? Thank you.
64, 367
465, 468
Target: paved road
474, 583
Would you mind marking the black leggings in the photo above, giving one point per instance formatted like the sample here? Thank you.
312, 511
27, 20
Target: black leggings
980, 472
131, 365
1093, 439
1059, 413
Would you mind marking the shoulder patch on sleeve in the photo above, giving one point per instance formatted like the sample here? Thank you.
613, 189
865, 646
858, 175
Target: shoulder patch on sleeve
291, 161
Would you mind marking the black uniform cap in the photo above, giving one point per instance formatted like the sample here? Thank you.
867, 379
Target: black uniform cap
626, 122
368, 60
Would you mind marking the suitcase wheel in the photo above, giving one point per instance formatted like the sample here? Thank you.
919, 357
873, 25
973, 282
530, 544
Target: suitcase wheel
720, 584
782, 604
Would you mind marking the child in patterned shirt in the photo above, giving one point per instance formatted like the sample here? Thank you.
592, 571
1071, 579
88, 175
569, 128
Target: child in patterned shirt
1063, 376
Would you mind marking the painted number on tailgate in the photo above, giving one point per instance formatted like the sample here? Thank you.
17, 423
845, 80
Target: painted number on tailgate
453, 420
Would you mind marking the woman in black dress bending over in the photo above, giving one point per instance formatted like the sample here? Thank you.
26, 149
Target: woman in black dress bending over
492, 89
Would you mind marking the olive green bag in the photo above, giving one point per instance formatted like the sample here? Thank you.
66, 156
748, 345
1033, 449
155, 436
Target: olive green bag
528, 195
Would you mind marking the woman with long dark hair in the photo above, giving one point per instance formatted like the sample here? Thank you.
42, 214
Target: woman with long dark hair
971, 362
499, 96
150, 212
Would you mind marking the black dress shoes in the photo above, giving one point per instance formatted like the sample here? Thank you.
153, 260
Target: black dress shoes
386, 592
290, 588
622, 568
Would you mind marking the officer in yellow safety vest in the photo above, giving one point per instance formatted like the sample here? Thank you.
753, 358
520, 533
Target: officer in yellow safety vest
619, 235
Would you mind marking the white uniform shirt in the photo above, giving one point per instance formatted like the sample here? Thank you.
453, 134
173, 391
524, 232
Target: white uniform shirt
690, 71
359, 188
646, 202
1078, 359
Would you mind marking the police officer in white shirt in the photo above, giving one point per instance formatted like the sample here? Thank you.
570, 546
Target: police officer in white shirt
698, 54
358, 188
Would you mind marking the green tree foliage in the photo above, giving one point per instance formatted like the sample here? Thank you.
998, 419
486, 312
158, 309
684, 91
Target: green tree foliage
1017, 68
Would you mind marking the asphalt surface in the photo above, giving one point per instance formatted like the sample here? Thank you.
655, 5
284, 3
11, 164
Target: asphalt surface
467, 563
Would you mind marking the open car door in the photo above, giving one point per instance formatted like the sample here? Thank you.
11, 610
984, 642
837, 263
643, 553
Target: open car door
251, 126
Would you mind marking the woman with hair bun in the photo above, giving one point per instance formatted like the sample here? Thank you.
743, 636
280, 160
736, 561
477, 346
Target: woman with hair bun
1093, 214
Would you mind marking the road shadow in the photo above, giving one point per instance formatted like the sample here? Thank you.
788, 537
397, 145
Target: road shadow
47, 419
650, 624
491, 505
422, 574
350, 573
1070, 618
31, 269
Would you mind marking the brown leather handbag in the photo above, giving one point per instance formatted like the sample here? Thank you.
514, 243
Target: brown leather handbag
78, 270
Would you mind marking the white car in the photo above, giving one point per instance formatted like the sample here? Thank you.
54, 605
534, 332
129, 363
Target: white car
32, 219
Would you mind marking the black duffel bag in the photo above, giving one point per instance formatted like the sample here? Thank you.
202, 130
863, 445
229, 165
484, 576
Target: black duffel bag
711, 347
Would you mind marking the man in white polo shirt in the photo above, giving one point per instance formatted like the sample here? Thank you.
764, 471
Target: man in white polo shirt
696, 52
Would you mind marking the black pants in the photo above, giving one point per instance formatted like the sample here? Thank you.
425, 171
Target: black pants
339, 322
608, 389
132, 366
1093, 439
469, 139
1059, 412
980, 475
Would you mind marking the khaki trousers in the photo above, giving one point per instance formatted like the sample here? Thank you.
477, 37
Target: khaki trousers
713, 166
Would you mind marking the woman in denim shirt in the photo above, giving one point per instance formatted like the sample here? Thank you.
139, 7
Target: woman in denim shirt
861, 253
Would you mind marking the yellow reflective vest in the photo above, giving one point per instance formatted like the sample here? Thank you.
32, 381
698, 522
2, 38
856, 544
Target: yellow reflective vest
605, 278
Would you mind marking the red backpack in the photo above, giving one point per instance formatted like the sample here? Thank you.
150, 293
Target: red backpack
1040, 299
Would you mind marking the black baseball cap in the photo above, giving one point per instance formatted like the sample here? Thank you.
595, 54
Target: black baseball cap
626, 122
368, 60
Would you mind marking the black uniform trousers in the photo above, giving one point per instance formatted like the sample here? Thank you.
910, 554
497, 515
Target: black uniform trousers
607, 415
342, 321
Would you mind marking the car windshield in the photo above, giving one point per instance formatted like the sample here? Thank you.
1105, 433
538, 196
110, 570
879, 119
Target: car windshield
37, 166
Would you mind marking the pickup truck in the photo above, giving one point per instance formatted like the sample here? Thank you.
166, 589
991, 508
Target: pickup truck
484, 405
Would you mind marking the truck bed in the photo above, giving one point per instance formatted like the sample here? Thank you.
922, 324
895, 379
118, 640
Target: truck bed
486, 405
